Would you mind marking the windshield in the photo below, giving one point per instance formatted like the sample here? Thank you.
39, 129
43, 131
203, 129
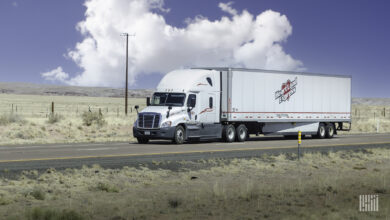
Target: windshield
167, 99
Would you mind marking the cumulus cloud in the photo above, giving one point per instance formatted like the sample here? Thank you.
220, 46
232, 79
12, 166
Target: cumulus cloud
56, 75
239, 39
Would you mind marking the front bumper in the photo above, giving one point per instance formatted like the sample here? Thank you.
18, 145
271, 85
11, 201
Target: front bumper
161, 133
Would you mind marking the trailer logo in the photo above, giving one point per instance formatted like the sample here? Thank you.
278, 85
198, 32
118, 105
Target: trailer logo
288, 89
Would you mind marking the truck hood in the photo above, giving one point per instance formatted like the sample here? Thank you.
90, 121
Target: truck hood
163, 110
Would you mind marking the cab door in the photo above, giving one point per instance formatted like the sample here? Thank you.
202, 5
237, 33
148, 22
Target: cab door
193, 112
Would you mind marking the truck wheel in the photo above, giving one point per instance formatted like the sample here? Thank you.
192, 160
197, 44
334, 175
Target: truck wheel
179, 135
321, 131
142, 140
229, 133
329, 130
242, 133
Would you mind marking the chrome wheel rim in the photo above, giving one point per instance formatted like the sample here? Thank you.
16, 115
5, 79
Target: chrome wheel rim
180, 135
331, 131
322, 131
242, 134
230, 133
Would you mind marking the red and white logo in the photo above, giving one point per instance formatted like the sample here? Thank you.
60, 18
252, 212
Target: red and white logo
288, 89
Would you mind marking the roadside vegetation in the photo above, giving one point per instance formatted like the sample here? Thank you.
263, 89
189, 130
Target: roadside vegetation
27, 119
319, 186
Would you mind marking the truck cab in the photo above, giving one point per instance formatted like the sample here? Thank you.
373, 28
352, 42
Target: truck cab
185, 106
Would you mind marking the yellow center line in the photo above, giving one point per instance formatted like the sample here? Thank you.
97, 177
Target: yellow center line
186, 152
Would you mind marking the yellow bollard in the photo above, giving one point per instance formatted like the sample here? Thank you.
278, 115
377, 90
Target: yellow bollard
299, 143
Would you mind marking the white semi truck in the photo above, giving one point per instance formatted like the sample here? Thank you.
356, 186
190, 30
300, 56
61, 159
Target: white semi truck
231, 103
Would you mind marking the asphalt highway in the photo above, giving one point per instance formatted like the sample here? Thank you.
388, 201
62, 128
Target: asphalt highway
115, 155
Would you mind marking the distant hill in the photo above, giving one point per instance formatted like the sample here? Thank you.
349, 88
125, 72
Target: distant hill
371, 101
61, 90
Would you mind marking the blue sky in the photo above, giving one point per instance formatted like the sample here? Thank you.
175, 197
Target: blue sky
337, 37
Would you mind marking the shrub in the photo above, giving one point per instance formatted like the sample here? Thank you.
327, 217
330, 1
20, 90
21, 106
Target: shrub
90, 118
48, 214
38, 194
4, 200
24, 135
107, 188
11, 118
54, 118
174, 202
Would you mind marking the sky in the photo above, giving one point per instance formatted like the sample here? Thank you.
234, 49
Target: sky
79, 43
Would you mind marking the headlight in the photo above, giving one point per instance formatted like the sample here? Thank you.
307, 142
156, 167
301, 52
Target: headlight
135, 123
166, 124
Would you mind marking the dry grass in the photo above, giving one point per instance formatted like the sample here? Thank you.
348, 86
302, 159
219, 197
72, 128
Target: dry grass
27, 119
320, 186
370, 119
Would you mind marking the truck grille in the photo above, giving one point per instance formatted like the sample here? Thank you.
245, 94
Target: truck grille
149, 120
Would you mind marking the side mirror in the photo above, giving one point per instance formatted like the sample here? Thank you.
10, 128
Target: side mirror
147, 101
169, 109
136, 108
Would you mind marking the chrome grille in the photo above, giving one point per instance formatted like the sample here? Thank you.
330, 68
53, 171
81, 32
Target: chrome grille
148, 120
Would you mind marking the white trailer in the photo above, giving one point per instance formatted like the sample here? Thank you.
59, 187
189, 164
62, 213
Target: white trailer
232, 103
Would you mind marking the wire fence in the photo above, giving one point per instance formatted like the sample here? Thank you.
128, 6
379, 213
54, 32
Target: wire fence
44, 109
370, 112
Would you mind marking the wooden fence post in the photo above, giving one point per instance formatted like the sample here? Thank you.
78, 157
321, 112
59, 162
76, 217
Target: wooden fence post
52, 108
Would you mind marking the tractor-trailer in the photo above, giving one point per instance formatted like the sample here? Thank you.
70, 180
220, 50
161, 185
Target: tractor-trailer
230, 104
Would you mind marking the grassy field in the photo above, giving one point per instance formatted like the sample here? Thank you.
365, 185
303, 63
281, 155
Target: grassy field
26, 119
319, 186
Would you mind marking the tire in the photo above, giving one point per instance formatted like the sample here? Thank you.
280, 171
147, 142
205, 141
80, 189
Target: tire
142, 140
229, 133
321, 133
179, 135
241, 133
329, 130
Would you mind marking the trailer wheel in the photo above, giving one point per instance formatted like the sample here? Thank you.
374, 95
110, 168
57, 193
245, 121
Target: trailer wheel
321, 133
179, 135
242, 133
142, 140
329, 130
229, 133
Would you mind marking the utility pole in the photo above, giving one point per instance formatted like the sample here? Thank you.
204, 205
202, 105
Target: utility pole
127, 67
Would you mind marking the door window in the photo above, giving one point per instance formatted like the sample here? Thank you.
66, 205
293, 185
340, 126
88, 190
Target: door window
191, 98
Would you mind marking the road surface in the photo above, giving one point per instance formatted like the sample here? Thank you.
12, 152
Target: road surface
116, 155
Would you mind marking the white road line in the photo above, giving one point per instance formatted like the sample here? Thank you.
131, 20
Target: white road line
95, 149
